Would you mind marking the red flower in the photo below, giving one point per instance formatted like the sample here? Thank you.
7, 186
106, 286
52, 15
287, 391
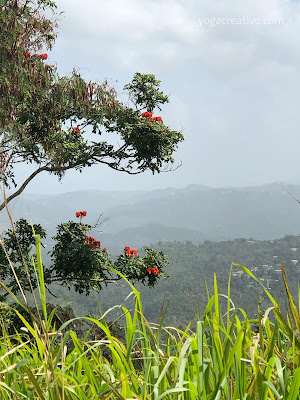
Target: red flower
76, 129
105, 249
147, 114
26, 54
80, 214
129, 252
43, 56
153, 270
92, 242
158, 119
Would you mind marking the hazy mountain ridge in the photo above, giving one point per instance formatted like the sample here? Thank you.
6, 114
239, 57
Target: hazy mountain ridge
195, 213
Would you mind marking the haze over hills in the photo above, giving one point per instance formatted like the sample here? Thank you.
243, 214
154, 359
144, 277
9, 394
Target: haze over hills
195, 213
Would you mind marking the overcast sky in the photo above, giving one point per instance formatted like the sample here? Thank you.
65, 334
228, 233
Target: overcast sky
231, 69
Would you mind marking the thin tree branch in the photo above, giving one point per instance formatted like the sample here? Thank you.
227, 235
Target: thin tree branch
22, 187
29, 179
115, 167
70, 280
52, 294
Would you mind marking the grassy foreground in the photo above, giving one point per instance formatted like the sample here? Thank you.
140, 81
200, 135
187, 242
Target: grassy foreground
223, 359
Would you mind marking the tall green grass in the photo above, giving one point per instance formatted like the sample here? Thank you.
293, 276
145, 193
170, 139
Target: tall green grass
222, 359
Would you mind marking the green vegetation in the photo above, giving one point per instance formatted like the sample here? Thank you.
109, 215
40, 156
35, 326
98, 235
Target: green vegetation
222, 359
191, 273
78, 260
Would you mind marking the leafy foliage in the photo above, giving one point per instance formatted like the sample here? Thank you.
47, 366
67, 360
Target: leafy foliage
139, 268
144, 92
78, 260
16, 250
74, 260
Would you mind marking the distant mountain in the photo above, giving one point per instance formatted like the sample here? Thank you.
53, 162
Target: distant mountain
195, 213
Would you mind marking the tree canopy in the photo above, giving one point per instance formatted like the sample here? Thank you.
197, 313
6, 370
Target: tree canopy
47, 119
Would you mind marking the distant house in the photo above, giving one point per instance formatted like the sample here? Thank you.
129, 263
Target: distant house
238, 273
294, 248
267, 267
294, 262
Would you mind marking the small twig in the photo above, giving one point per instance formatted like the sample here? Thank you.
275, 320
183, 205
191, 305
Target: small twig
295, 198
52, 294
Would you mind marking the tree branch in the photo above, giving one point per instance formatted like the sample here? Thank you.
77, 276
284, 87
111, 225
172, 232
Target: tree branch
96, 158
21, 188
29, 179
57, 279
115, 167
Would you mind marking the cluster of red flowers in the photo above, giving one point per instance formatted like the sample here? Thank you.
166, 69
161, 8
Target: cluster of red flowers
129, 253
76, 129
40, 56
92, 242
147, 114
43, 56
80, 214
153, 270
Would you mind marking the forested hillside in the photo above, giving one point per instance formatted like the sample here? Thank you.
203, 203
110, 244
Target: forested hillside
193, 266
